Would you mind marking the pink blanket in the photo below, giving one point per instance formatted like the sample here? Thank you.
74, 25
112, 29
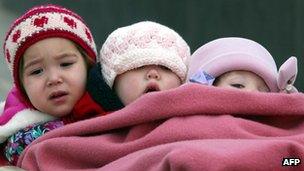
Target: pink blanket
193, 127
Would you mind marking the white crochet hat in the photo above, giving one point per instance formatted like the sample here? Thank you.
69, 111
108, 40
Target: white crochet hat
140, 44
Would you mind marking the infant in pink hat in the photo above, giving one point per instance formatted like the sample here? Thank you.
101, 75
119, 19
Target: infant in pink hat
243, 64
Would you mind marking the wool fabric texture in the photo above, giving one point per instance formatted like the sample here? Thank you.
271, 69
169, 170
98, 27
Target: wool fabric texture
140, 44
232, 53
42, 22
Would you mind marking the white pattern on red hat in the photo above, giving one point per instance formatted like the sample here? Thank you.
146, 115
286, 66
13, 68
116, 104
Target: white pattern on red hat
42, 22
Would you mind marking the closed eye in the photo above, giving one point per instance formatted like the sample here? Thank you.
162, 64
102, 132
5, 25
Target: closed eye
36, 71
66, 64
240, 86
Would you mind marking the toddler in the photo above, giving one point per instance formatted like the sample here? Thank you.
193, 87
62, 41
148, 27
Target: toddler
49, 50
142, 58
243, 64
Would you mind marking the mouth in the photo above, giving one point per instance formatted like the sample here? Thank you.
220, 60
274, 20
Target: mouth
57, 95
152, 87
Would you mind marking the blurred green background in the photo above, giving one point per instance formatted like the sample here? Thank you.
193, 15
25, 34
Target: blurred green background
276, 24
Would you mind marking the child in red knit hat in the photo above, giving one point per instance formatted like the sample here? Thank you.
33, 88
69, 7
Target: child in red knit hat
49, 51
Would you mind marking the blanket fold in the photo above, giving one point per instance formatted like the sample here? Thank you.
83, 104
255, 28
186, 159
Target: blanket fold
192, 127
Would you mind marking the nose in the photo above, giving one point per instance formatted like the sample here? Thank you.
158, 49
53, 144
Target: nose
54, 78
152, 73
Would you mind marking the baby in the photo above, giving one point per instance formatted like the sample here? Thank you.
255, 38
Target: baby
142, 58
243, 64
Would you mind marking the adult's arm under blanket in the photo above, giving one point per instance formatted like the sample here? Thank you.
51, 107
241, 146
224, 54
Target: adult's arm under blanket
192, 127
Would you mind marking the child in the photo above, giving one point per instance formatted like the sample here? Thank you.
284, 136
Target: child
243, 64
142, 58
48, 50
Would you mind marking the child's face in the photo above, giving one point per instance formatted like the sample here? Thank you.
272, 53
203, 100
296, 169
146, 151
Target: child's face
54, 75
243, 80
134, 83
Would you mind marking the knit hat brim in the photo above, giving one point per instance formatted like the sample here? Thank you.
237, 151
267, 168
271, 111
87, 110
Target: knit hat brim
42, 22
142, 57
140, 44
234, 53
241, 61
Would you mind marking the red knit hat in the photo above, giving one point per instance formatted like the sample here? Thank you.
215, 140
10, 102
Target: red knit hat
42, 22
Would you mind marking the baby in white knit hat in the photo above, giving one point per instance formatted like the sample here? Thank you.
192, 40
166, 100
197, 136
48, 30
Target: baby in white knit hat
142, 58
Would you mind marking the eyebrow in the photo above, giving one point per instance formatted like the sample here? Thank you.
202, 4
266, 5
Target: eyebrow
238, 78
32, 62
65, 55
58, 57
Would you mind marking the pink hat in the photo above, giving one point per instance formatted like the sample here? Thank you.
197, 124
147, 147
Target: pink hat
143, 43
42, 22
229, 54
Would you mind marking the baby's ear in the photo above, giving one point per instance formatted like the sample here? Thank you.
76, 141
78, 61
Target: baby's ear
287, 75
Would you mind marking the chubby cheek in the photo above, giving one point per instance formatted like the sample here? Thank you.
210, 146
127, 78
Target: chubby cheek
76, 80
79, 90
172, 82
35, 93
128, 89
32, 87
132, 91
220, 84
127, 97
